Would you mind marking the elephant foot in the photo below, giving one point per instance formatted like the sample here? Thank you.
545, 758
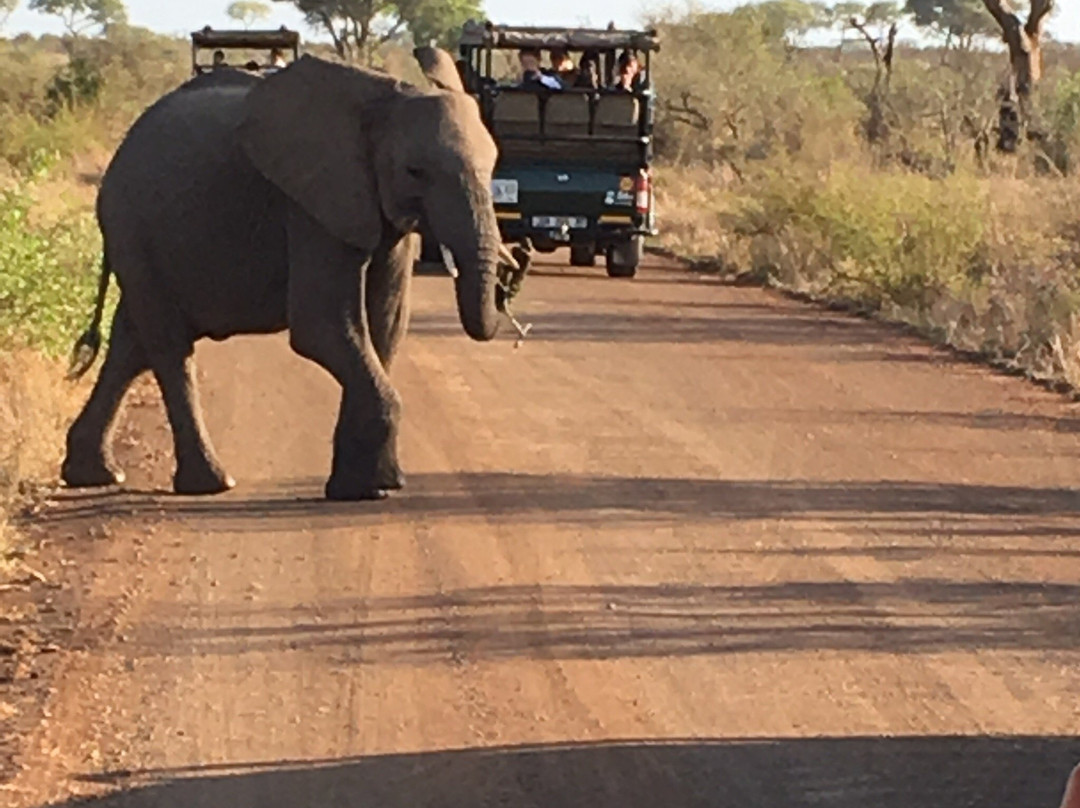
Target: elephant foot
390, 477
374, 484
89, 473
338, 490
201, 480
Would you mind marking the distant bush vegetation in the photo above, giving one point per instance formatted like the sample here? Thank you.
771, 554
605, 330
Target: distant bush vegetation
826, 171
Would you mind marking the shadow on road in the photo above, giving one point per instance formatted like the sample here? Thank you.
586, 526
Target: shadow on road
914, 772
626, 621
608, 500
782, 328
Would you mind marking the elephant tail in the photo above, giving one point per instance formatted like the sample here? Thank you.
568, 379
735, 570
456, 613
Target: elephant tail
89, 344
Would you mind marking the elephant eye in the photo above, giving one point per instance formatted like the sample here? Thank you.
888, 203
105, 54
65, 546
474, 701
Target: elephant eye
416, 173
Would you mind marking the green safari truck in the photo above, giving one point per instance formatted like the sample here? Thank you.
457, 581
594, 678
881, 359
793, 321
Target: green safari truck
574, 154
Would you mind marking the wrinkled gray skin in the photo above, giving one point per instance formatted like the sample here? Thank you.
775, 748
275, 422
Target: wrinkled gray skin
239, 205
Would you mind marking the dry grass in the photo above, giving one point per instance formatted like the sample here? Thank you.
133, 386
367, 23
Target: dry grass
36, 404
985, 264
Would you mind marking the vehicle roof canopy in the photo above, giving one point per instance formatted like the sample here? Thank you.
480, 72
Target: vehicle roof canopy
486, 34
281, 38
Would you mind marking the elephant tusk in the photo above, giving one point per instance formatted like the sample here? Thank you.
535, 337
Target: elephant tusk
448, 261
507, 258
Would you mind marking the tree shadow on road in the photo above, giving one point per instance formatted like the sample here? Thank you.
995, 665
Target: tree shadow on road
911, 772
560, 621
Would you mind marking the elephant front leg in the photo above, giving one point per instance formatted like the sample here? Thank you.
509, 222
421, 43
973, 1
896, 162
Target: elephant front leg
328, 324
386, 296
365, 464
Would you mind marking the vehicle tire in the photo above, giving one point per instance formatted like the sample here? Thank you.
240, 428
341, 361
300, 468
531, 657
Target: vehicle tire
623, 259
583, 255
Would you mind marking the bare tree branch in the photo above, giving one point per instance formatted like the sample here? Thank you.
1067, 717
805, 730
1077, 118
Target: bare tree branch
687, 114
1040, 10
1001, 11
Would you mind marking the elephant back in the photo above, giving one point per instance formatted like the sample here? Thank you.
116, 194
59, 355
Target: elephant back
222, 77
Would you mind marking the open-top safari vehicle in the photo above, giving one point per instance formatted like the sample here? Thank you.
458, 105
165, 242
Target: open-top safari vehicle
253, 51
574, 165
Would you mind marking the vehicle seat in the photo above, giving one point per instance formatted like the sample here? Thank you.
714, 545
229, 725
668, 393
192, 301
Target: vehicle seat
515, 113
567, 114
617, 115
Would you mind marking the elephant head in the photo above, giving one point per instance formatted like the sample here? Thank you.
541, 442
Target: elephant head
361, 152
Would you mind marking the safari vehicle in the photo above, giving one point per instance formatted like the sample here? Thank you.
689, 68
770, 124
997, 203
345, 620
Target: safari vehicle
242, 49
574, 164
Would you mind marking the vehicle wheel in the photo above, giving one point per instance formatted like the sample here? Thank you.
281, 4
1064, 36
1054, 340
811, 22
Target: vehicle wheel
583, 255
623, 259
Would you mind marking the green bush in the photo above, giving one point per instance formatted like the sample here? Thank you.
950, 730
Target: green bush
48, 273
875, 238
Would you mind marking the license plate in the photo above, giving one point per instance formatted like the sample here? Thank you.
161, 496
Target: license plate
558, 222
504, 192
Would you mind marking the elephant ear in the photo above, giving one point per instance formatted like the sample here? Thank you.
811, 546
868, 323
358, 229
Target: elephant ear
439, 67
308, 130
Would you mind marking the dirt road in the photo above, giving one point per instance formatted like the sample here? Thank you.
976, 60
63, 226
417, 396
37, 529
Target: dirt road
693, 545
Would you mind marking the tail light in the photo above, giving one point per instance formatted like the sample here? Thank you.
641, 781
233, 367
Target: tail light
642, 192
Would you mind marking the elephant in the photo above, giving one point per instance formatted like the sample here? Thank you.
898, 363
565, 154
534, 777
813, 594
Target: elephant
239, 204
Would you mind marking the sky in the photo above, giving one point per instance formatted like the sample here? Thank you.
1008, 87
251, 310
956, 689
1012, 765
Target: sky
183, 16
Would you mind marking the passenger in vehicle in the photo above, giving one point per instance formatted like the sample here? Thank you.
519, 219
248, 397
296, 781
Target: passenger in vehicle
563, 68
627, 72
588, 77
219, 59
277, 61
532, 77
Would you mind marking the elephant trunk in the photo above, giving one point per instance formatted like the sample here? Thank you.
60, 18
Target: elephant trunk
476, 300
477, 258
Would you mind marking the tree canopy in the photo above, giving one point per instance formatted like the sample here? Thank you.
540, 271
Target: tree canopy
359, 27
80, 17
248, 12
6, 9
962, 20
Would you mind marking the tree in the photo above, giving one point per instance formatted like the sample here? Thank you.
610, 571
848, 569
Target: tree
248, 12
788, 19
80, 17
883, 48
7, 7
437, 20
961, 22
877, 17
1024, 40
359, 27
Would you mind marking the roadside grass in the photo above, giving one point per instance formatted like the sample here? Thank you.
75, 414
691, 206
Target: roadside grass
49, 263
985, 264
36, 403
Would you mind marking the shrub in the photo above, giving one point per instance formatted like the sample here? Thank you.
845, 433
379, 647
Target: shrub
47, 271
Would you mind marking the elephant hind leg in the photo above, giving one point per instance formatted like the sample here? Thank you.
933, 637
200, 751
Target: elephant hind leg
198, 471
169, 347
88, 462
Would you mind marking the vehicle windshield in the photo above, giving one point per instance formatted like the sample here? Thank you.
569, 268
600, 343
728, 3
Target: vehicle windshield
256, 51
